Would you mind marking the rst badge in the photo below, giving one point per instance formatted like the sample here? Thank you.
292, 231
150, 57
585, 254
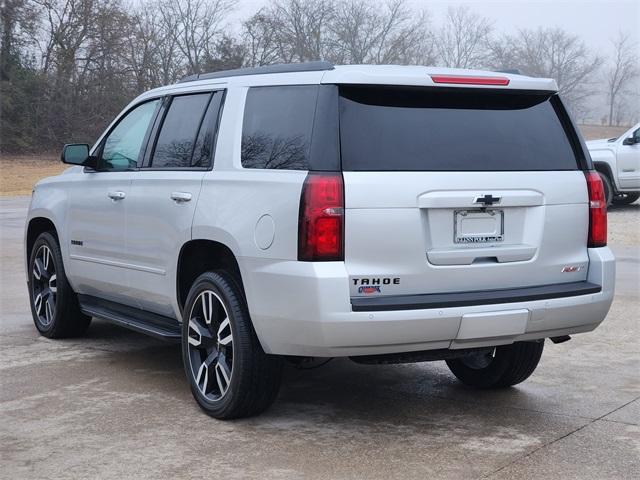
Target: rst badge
369, 289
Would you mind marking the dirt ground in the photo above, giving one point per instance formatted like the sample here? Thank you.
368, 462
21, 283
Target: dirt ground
21, 172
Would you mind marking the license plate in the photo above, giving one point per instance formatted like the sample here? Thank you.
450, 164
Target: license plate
478, 226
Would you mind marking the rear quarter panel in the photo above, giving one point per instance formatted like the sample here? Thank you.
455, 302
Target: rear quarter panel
253, 212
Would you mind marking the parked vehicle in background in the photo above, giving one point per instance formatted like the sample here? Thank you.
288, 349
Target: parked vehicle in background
387, 214
617, 160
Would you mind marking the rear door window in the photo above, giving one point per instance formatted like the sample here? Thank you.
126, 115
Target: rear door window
204, 148
277, 127
177, 138
411, 129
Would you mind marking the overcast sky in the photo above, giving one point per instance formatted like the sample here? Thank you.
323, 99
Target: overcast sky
596, 21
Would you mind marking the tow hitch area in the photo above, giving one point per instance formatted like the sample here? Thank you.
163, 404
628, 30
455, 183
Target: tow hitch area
561, 339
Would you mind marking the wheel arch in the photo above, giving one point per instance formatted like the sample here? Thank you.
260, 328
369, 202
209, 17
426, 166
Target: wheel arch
201, 255
35, 227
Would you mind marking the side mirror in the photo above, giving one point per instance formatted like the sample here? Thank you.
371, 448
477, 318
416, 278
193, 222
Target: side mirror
77, 154
630, 141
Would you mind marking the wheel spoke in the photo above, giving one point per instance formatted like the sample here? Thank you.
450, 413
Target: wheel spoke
224, 339
37, 303
37, 269
223, 374
199, 335
53, 283
202, 377
46, 258
49, 309
195, 333
207, 306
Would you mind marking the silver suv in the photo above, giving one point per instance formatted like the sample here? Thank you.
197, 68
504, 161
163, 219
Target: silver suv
388, 214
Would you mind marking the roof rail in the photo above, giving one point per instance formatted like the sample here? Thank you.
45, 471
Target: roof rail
276, 68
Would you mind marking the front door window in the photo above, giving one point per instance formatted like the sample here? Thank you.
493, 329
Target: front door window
122, 147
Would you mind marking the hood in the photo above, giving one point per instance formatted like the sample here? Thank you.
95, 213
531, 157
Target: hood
599, 144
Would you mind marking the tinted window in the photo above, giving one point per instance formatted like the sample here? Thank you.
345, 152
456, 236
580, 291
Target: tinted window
205, 143
411, 129
123, 145
179, 130
276, 131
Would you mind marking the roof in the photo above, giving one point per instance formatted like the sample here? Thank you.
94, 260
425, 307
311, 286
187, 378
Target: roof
326, 73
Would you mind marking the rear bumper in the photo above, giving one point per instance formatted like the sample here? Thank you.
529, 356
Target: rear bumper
465, 299
303, 308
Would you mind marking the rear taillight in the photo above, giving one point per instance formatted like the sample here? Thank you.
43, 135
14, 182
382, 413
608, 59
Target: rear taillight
597, 210
321, 223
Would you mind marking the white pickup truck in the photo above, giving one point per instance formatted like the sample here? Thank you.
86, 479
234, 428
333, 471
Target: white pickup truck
617, 160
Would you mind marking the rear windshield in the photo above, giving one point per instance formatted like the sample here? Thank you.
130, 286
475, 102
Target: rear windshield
411, 129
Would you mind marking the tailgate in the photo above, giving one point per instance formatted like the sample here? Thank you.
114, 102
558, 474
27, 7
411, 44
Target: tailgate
412, 235
459, 191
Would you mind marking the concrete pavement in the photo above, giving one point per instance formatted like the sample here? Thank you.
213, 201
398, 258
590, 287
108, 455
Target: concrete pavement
116, 405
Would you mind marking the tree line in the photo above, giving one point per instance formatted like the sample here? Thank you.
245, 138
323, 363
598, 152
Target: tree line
67, 67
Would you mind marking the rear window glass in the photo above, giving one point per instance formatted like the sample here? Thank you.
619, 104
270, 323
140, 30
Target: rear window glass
401, 129
277, 125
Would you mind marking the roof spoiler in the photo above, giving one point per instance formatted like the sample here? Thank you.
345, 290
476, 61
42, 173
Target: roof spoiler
512, 71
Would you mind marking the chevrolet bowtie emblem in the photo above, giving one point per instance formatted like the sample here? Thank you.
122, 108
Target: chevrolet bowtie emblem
487, 200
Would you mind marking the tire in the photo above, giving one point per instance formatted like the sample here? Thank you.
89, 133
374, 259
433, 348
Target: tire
229, 374
608, 189
54, 305
626, 199
509, 365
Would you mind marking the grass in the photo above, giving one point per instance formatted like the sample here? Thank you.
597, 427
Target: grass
19, 173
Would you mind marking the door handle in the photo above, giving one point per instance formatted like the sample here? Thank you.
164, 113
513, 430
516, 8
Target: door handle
116, 195
181, 197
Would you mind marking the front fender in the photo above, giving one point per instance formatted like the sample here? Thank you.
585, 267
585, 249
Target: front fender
48, 202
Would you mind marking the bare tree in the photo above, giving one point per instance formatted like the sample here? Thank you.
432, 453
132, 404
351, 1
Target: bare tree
553, 53
152, 49
392, 34
18, 19
290, 31
462, 42
141, 47
68, 66
261, 40
621, 72
342, 31
196, 26
229, 54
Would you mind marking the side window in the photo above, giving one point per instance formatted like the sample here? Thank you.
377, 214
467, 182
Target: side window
123, 145
277, 126
177, 138
205, 143
636, 135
